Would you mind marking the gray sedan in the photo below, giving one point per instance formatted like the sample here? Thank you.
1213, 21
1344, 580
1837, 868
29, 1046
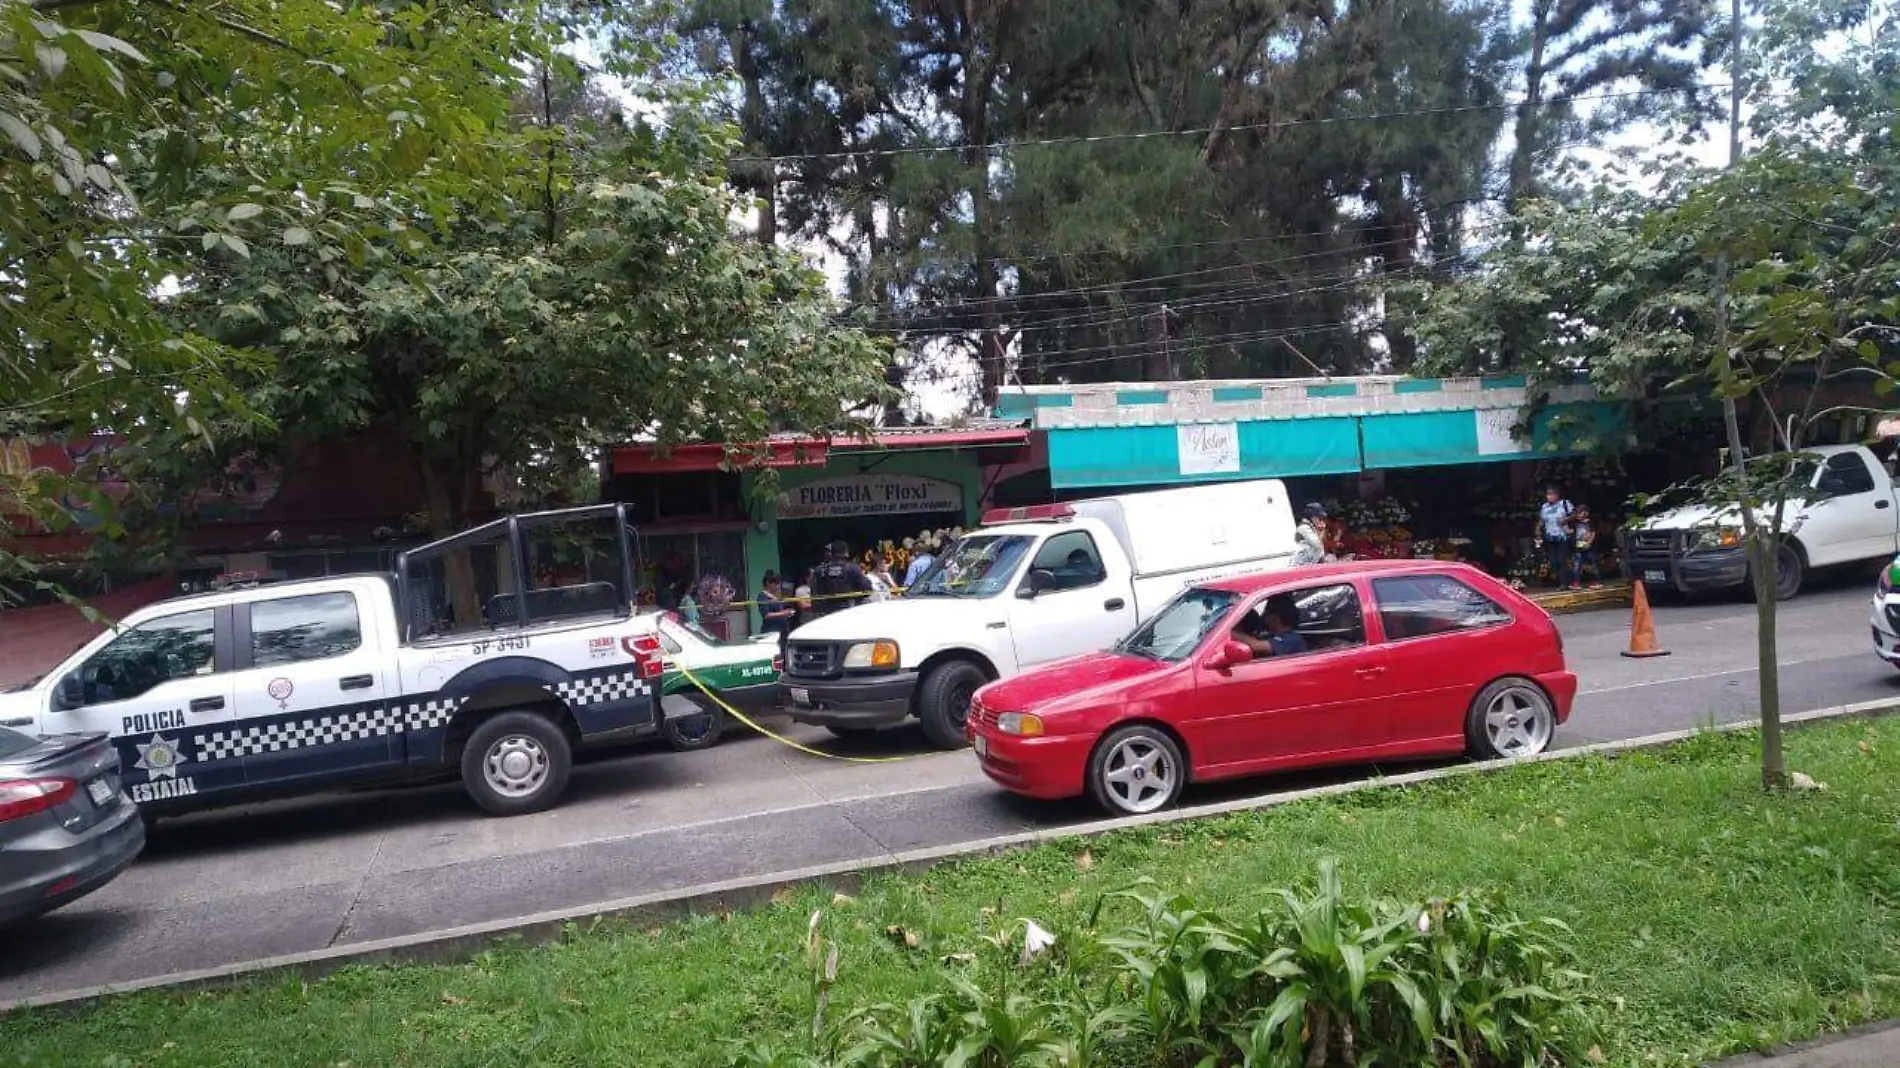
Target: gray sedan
66, 826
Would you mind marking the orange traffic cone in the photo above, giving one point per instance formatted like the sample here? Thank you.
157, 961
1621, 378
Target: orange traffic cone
1642, 628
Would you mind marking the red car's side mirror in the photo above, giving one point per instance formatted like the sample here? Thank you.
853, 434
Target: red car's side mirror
1230, 653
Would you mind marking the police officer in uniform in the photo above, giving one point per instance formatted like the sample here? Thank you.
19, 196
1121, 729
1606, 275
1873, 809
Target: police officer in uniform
834, 581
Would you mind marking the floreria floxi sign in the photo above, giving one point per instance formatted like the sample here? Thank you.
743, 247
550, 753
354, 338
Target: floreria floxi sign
869, 494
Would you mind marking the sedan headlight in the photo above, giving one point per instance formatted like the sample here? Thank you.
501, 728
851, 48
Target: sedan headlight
877, 654
1026, 724
1719, 538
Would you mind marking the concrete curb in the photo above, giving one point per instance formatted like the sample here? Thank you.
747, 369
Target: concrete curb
1568, 603
459, 943
1869, 1045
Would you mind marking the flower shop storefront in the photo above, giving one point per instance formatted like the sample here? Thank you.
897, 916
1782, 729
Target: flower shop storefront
1405, 467
716, 533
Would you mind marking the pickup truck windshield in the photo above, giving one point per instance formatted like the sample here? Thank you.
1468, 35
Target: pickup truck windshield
980, 565
1181, 625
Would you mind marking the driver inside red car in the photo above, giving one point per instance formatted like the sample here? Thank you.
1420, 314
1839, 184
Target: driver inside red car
1270, 629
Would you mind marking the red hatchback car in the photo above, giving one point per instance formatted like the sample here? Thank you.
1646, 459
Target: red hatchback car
1337, 664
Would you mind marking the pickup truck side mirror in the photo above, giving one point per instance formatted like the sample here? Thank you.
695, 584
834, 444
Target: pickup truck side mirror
1036, 583
1228, 654
70, 692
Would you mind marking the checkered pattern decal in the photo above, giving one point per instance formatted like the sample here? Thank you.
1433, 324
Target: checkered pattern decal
353, 723
373, 721
599, 689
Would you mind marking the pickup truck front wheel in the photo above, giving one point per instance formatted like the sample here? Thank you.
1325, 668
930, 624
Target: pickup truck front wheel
516, 763
1790, 571
943, 702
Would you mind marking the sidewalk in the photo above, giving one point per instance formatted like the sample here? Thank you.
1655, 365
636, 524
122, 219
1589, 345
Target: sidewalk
1872, 1046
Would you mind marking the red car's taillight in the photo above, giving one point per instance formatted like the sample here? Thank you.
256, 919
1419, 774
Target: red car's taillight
20, 798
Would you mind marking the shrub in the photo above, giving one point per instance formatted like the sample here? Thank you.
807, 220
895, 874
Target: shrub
1311, 980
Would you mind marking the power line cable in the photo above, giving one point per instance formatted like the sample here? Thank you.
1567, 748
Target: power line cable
1190, 344
1202, 131
1119, 288
1252, 293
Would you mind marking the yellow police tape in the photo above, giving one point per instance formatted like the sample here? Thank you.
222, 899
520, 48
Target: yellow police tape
774, 735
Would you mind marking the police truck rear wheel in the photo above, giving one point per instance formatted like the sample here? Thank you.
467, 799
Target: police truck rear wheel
943, 702
516, 763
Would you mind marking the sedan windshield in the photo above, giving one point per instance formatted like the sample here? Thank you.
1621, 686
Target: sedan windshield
1180, 627
981, 565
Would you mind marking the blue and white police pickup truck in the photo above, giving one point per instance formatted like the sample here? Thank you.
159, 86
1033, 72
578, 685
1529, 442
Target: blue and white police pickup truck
494, 653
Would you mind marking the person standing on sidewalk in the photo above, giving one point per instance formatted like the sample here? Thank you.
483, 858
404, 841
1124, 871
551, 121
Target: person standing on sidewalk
775, 616
883, 585
801, 602
838, 583
1553, 533
920, 561
1310, 537
1583, 553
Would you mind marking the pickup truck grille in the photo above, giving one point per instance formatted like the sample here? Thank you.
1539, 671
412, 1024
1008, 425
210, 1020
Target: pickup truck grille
1653, 541
811, 659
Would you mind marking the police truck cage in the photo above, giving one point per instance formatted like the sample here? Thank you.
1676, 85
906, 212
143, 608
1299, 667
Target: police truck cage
567, 565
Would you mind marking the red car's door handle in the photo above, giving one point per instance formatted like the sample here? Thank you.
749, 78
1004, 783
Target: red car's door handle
1370, 673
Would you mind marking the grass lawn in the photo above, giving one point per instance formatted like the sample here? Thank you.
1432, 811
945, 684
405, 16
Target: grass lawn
1712, 918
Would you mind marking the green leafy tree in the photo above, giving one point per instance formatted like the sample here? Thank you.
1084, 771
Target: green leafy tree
1759, 283
1575, 49
908, 143
141, 142
602, 295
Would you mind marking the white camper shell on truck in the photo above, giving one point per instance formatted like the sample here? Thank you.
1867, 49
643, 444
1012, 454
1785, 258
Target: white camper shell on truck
1029, 587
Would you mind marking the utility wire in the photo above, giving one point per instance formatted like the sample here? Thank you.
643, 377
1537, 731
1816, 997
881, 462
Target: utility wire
1263, 292
1202, 131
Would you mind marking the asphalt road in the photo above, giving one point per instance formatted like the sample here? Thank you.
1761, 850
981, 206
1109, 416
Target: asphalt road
242, 884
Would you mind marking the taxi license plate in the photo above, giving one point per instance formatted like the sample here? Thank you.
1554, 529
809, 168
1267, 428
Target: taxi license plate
982, 746
801, 697
101, 792
1654, 576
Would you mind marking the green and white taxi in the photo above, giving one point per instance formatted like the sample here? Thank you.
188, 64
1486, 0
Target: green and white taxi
741, 672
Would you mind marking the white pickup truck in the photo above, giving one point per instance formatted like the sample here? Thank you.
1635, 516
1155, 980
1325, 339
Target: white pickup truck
294, 687
1028, 587
1848, 513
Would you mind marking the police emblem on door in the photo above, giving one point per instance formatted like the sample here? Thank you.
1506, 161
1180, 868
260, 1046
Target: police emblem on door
159, 758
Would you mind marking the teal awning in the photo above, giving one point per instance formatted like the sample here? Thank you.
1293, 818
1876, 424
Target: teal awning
1153, 455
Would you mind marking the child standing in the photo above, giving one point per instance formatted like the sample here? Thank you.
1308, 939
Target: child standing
1583, 536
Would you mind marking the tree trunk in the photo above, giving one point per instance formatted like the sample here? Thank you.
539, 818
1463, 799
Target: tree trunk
1762, 544
445, 488
761, 175
1774, 764
1529, 125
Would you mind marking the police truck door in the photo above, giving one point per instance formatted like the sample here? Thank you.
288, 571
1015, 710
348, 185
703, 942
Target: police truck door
162, 690
310, 687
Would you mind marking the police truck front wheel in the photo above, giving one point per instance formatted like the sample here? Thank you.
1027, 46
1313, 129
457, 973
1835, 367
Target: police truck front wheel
516, 763
943, 702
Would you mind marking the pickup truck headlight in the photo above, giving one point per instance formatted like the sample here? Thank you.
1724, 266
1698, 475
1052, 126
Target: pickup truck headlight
1719, 538
877, 654
1026, 724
